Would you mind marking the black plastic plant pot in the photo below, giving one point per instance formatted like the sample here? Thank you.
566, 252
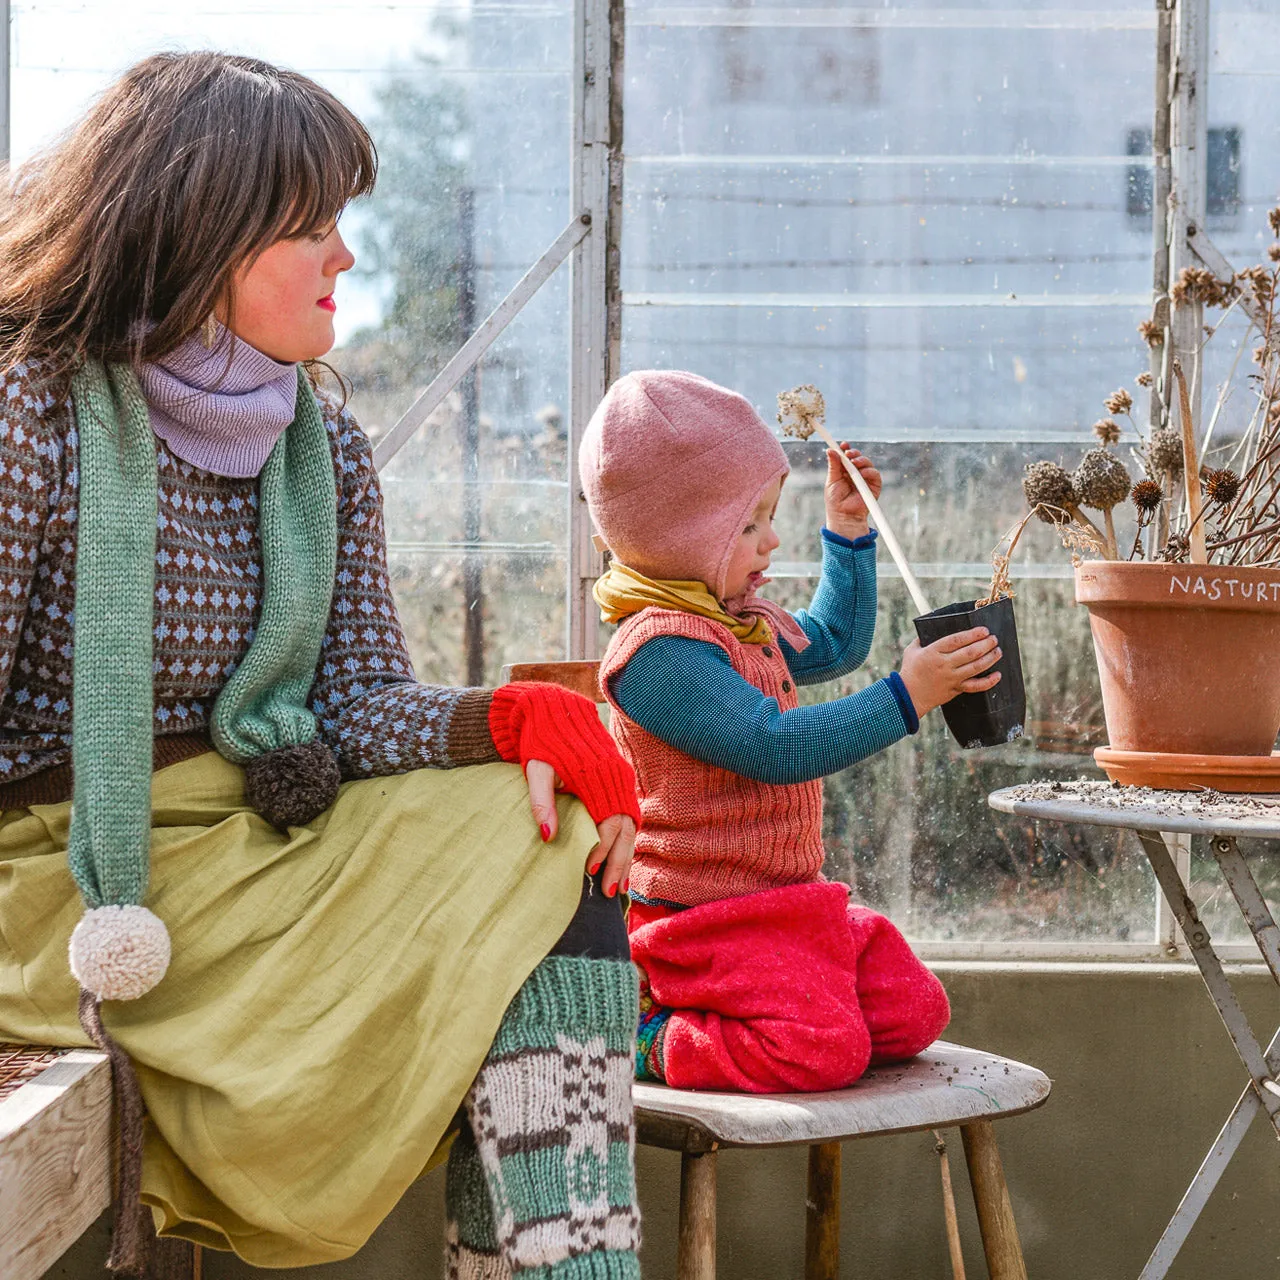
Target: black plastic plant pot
996, 716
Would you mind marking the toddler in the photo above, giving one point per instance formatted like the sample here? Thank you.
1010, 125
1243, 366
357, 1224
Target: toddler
757, 973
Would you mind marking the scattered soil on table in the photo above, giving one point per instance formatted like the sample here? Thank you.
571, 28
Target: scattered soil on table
1111, 795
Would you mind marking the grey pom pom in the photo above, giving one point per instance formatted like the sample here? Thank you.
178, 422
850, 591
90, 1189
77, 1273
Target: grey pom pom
292, 785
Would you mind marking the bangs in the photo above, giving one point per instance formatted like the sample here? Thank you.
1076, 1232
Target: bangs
315, 156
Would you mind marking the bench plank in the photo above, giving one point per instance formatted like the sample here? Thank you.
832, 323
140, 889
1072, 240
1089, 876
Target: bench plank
55, 1162
946, 1085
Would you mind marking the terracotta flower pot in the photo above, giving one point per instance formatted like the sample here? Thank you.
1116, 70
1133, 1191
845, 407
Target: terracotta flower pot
1188, 655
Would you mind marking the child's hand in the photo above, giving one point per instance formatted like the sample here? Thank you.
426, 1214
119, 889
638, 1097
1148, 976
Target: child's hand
938, 672
846, 511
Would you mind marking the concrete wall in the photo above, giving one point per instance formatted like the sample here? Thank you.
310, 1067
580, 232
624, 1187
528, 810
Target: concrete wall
1143, 1077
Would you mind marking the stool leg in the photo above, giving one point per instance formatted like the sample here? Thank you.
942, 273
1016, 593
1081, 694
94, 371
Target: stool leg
696, 1249
991, 1197
822, 1213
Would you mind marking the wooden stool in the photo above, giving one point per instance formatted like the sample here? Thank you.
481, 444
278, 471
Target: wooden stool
55, 1161
946, 1085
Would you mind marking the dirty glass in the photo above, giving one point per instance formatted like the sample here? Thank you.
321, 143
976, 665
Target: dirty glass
925, 210
469, 107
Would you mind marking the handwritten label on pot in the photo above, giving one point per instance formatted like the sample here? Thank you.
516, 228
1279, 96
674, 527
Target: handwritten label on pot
1216, 588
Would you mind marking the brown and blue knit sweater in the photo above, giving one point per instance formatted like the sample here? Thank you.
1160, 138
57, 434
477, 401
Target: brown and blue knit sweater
371, 710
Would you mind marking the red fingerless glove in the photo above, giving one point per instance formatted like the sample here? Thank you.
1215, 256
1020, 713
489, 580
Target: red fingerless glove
531, 721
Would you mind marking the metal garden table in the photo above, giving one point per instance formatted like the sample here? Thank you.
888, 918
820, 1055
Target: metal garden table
1151, 815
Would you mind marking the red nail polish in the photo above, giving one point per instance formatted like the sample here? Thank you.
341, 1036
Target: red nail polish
546, 832
626, 884
592, 870
611, 891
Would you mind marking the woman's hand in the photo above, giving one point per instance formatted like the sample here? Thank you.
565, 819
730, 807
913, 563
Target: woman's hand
846, 511
617, 832
938, 672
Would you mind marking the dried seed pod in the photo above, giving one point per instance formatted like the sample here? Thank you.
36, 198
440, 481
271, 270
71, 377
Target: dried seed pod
1119, 401
800, 410
1221, 486
1152, 333
1108, 431
1101, 480
1273, 221
1164, 453
1048, 488
1146, 495
1144, 379
1199, 284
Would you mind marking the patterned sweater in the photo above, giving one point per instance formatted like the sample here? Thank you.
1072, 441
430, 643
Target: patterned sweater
371, 710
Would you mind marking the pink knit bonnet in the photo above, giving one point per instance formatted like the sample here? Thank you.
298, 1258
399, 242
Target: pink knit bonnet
673, 467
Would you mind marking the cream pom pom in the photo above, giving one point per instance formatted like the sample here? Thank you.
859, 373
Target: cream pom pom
119, 953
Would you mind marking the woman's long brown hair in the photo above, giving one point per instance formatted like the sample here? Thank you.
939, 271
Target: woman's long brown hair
119, 240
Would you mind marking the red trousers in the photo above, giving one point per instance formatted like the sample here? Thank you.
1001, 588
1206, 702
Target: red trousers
788, 990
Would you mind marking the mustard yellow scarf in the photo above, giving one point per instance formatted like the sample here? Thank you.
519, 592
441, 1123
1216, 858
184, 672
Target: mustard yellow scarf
622, 591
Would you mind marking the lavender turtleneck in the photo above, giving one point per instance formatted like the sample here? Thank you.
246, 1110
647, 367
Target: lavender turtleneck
222, 416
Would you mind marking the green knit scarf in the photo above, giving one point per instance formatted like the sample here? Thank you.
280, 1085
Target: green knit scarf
262, 708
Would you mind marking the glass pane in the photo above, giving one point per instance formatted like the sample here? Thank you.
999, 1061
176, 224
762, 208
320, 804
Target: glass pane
469, 107
934, 213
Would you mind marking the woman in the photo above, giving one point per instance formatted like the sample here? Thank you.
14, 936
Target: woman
197, 635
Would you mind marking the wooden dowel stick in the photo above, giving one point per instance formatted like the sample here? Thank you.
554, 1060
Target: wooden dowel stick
949, 1209
881, 523
1191, 470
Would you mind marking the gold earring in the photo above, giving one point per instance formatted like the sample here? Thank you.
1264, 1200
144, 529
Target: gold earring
209, 331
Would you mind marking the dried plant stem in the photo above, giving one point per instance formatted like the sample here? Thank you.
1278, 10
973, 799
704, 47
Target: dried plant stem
873, 507
1113, 547
1190, 470
1240, 537
1223, 392
1080, 518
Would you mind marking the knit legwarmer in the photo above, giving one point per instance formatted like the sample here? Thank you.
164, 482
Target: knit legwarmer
470, 1245
554, 1128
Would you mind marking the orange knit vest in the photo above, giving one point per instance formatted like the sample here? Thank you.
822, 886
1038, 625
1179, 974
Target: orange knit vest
707, 833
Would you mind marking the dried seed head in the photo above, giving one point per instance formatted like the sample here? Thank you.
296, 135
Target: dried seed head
1199, 284
1119, 401
1108, 431
1146, 495
800, 410
1101, 480
1221, 486
1164, 453
1273, 252
1152, 333
1273, 221
1048, 489
1144, 379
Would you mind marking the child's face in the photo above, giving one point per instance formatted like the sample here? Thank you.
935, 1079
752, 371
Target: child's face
756, 544
283, 299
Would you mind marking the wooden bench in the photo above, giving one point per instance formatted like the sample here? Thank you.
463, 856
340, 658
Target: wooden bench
55, 1161
946, 1086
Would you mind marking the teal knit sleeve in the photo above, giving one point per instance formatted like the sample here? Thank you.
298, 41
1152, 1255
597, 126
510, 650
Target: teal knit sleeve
687, 693
841, 619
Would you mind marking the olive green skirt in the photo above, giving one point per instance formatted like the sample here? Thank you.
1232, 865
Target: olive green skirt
331, 996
